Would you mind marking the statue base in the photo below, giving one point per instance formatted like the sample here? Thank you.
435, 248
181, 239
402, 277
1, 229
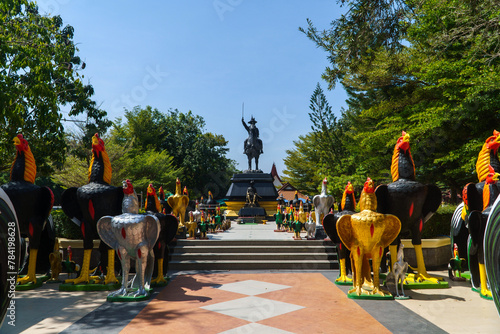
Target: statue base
248, 171
252, 212
320, 233
264, 187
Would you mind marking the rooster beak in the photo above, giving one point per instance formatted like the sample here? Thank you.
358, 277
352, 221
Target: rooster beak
16, 141
495, 177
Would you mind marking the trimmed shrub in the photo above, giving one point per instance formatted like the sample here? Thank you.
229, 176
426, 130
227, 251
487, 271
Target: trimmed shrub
440, 222
64, 227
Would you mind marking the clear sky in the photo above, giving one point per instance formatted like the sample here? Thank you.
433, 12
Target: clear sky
210, 57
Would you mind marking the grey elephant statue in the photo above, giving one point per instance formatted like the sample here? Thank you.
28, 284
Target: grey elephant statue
133, 236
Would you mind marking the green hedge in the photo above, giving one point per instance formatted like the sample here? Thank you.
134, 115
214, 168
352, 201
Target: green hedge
440, 223
64, 227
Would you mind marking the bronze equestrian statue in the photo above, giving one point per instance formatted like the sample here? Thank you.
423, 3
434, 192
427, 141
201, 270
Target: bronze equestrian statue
252, 145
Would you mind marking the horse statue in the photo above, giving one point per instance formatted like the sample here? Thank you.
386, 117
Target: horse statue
252, 145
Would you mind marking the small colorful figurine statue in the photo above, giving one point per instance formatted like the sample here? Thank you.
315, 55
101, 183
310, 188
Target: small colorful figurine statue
70, 266
218, 220
196, 213
211, 224
297, 227
278, 218
366, 234
302, 214
191, 226
310, 226
226, 223
178, 202
456, 266
203, 228
286, 222
133, 236
55, 259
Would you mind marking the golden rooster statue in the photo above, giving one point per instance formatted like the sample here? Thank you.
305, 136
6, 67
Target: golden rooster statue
31, 202
178, 203
366, 234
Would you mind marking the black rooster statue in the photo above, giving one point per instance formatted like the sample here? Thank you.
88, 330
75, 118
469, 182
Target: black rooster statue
31, 203
488, 156
347, 207
412, 202
492, 252
168, 230
480, 206
87, 204
10, 250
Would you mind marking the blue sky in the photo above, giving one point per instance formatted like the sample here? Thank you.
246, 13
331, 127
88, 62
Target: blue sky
210, 57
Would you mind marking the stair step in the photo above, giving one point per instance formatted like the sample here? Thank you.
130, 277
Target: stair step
253, 256
254, 249
252, 265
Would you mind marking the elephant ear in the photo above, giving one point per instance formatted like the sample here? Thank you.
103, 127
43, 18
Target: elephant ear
344, 229
392, 228
106, 232
329, 202
316, 201
151, 229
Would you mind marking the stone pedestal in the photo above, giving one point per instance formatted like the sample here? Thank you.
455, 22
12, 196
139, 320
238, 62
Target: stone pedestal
263, 184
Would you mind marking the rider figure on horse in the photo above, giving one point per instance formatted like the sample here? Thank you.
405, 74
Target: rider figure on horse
252, 145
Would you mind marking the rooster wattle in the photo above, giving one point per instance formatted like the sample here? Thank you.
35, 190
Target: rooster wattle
87, 204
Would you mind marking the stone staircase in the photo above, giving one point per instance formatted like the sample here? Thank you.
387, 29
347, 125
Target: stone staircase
252, 255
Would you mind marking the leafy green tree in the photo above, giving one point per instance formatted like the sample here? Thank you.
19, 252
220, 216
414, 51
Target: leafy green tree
430, 68
39, 73
198, 157
302, 165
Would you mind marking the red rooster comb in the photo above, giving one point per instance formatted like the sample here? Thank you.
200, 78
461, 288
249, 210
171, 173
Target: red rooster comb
493, 142
128, 188
369, 186
151, 189
404, 141
21, 143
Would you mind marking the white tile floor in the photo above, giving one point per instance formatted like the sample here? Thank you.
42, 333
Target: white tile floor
252, 308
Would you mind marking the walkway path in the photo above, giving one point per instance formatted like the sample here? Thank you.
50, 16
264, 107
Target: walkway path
254, 302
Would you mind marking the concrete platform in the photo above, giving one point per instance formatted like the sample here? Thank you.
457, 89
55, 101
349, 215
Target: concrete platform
254, 302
